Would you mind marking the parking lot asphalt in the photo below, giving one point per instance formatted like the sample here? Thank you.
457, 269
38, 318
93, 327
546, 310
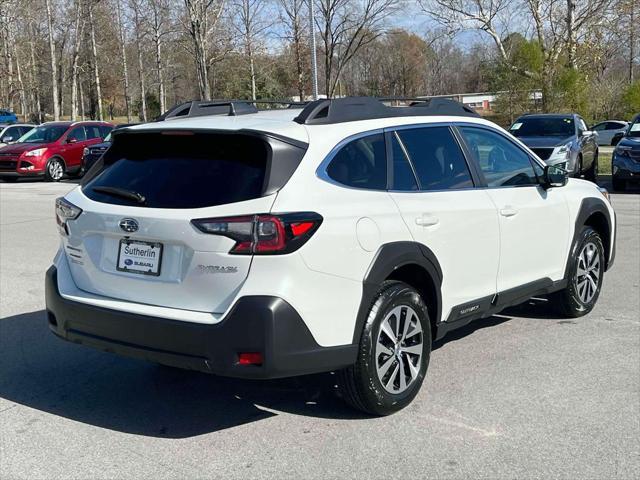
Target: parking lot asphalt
523, 394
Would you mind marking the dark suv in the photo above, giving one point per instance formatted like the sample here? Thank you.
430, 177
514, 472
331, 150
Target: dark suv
625, 161
562, 140
51, 149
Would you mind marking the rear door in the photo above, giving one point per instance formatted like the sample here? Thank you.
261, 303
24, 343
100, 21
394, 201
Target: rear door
434, 190
181, 178
534, 222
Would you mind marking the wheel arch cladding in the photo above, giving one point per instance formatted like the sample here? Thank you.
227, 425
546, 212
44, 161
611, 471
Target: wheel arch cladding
594, 213
409, 262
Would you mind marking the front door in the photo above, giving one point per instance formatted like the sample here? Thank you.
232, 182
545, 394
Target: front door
534, 222
73, 147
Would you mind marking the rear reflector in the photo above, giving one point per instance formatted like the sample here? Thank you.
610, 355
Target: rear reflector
263, 234
250, 358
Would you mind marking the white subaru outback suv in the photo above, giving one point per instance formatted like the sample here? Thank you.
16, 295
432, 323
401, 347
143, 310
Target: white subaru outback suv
345, 236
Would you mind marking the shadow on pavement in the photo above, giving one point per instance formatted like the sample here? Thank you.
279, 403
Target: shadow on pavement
43, 372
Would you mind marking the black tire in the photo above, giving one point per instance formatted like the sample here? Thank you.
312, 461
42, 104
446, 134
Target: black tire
592, 173
572, 301
51, 172
10, 179
360, 384
618, 184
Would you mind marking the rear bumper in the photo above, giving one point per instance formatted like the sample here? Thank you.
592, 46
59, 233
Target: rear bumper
264, 324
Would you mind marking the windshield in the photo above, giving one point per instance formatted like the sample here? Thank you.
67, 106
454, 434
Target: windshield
44, 134
543, 127
634, 128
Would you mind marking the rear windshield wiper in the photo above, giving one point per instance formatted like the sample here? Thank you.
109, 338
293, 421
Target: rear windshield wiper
122, 193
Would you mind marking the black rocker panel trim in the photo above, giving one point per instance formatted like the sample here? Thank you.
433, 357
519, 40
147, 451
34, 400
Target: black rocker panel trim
389, 258
588, 207
484, 307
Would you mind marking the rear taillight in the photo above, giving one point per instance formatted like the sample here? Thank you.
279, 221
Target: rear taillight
65, 211
263, 234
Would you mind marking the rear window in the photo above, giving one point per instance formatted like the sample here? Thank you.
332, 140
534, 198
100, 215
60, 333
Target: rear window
180, 171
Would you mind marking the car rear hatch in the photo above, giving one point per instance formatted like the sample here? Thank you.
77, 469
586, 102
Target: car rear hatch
135, 239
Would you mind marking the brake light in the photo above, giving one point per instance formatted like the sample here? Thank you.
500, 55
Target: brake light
263, 234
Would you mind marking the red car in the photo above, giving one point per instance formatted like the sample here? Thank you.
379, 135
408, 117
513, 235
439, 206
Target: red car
51, 149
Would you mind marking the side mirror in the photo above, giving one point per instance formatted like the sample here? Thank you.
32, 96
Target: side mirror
588, 133
72, 140
554, 176
8, 139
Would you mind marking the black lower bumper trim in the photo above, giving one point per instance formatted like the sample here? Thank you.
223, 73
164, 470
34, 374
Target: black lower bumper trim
264, 324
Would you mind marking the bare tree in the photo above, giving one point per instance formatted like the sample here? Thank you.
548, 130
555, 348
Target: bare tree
294, 22
250, 24
54, 66
202, 15
137, 16
79, 25
125, 69
159, 30
94, 59
346, 26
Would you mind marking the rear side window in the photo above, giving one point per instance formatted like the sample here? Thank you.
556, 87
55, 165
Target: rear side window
362, 163
181, 171
105, 130
437, 158
93, 131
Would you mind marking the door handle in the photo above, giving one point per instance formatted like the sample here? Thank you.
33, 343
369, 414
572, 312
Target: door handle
427, 220
508, 211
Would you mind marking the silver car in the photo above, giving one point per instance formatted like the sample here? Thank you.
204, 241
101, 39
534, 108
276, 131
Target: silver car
607, 130
11, 133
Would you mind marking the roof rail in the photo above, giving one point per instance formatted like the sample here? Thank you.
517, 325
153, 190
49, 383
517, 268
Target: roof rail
199, 108
349, 109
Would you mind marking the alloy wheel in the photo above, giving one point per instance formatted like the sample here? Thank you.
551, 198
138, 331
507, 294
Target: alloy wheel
56, 170
399, 349
588, 272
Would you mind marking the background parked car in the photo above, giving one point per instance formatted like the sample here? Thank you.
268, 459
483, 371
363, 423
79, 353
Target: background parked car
92, 154
625, 161
607, 131
562, 140
51, 149
11, 133
7, 116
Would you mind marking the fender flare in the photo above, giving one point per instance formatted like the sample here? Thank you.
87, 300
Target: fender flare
387, 259
588, 207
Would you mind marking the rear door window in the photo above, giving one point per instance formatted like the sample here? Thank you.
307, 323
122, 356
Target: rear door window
437, 158
77, 134
181, 171
404, 179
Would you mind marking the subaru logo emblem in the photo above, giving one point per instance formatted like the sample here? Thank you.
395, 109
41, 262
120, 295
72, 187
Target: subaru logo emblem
129, 225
